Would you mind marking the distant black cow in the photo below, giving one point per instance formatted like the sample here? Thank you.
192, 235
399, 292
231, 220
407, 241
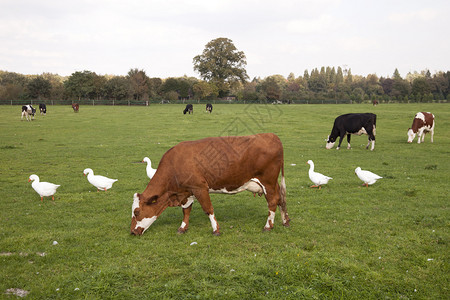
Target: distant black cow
353, 124
43, 108
189, 108
27, 111
209, 107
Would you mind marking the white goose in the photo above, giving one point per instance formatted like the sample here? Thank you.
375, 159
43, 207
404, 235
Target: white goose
317, 178
367, 177
44, 189
150, 171
100, 182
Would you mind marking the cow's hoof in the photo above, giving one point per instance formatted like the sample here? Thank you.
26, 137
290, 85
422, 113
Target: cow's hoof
265, 229
287, 224
216, 233
181, 230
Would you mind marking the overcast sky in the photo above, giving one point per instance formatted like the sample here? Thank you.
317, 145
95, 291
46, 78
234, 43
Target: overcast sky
277, 37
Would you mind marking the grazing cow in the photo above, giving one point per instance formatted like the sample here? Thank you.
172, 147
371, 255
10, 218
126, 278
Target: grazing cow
189, 108
423, 122
27, 111
209, 107
375, 102
227, 165
75, 107
43, 108
353, 124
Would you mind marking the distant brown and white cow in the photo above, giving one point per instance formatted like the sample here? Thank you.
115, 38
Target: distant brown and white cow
423, 122
227, 165
75, 107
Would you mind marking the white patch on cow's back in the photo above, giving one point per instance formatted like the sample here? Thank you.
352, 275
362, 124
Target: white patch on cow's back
421, 116
253, 185
189, 202
145, 223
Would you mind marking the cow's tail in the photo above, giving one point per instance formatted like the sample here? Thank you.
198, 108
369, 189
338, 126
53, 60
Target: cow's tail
282, 203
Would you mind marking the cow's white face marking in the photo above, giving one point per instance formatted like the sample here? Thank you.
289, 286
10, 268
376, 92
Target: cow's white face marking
135, 204
411, 135
253, 185
213, 222
330, 145
189, 202
145, 223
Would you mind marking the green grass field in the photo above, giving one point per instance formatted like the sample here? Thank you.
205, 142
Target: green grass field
388, 241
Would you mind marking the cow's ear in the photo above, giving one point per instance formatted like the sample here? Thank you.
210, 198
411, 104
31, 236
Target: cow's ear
152, 200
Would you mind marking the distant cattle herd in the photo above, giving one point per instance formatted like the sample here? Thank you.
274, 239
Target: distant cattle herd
251, 163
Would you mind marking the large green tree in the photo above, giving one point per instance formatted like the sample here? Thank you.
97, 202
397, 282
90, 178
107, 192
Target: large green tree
80, 85
222, 64
39, 87
138, 84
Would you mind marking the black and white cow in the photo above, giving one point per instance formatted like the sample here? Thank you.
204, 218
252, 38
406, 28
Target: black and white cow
189, 108
43, 108
353, 124
27, 111
209, 107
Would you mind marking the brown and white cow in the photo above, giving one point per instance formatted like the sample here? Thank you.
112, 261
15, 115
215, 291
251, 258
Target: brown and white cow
227, 165
76, 107
423, 122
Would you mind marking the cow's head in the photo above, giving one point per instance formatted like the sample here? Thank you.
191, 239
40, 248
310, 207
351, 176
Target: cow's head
330, 142
144, 212
411, 135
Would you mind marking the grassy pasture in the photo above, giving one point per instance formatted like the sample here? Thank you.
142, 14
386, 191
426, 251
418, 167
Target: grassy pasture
390, 240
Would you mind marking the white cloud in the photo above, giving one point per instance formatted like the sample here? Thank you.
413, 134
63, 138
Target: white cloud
424, 15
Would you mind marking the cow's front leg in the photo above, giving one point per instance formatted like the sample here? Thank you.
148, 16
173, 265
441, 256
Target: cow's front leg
185, 224
348, 141
419, 136
186, 213
340, 141
203, 198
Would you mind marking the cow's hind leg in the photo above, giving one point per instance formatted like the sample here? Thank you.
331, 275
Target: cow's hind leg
273, 197
348, 141
203, 198
282, 203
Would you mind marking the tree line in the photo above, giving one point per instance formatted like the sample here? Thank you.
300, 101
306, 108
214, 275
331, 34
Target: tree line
324, 84
222, 71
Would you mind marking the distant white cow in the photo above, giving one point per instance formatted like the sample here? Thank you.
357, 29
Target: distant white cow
423, 122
